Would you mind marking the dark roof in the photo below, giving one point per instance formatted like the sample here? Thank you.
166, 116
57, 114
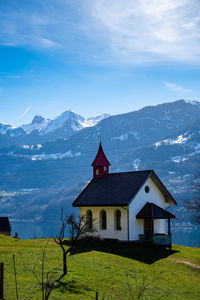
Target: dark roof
153, 211
100, 159
4, 224
118, 189
112, 189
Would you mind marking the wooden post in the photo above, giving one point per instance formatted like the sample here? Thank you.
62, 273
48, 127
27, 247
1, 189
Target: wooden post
97, 295
169, 233
1, 279
169, 229
15, 276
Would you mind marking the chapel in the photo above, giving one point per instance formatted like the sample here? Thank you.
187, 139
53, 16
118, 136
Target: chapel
126, 206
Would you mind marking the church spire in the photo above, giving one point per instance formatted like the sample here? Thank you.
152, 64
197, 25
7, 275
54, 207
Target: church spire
100, 164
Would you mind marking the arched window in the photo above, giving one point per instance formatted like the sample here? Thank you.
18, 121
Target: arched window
118, 220
103, 220
89, 219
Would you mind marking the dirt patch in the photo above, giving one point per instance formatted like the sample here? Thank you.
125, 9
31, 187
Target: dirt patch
185, 262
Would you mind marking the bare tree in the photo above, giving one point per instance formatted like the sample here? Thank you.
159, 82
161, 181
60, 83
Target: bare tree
77, 228
140, 287
47, 280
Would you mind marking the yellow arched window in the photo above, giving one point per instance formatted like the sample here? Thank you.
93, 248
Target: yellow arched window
103, 220
118, 220
89, 219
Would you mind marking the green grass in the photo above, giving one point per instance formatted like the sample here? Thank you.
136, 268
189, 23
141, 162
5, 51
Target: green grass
116, 271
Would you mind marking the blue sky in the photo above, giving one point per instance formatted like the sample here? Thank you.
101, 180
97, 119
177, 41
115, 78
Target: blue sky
95, 56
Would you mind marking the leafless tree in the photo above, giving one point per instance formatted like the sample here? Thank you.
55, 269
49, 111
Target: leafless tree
47, 280
140, 287
77, 228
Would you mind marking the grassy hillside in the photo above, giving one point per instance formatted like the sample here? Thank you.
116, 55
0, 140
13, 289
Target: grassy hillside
116, 271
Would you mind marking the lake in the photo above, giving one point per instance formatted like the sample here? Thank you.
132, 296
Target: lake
181, 235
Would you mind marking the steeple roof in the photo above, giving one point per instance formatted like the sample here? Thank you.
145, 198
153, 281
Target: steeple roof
100, 159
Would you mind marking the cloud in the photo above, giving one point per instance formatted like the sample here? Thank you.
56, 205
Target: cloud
176, 88
24, 113
35, 25
150, 30
36, 42
139, 31
46, 43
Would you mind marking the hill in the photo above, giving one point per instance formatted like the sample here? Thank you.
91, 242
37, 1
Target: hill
116, 271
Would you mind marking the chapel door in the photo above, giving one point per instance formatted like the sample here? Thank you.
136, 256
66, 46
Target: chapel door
148, 229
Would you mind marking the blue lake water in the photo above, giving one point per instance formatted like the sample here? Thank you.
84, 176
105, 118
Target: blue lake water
28, 230
186, 237
31, 230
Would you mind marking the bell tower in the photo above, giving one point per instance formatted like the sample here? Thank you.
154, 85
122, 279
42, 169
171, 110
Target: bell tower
100, 164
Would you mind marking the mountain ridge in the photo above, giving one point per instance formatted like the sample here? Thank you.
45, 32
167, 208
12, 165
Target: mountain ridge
48, 175
44, 130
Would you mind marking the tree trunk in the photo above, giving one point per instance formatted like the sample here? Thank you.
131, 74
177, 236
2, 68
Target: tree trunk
64, 263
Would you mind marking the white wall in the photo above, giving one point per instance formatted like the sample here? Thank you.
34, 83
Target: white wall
111, 231
136, 227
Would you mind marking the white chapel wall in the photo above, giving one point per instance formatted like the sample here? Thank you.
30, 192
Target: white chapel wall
136, 227
111, 231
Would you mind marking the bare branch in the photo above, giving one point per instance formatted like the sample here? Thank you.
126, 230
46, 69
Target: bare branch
77, 228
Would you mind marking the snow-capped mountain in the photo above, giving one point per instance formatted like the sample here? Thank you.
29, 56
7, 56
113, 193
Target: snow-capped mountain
15, 132
192, 102
68, 120
4, 127
94, 120
43, 130
38, 123
11, 131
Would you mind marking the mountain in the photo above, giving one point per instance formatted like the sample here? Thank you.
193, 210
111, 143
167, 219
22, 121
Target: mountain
4, 127
43, 130
95, 120
37, 179
66, 124
38, 123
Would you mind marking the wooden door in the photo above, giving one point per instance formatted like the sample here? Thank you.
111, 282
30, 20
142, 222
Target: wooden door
148, 229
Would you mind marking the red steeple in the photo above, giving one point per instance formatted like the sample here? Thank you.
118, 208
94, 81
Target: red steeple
100, 164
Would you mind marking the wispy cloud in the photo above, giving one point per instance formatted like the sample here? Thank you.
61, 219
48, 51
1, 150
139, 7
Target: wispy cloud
139, 31
46, 43
150, 30
176, 88
35, 25
24, 113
